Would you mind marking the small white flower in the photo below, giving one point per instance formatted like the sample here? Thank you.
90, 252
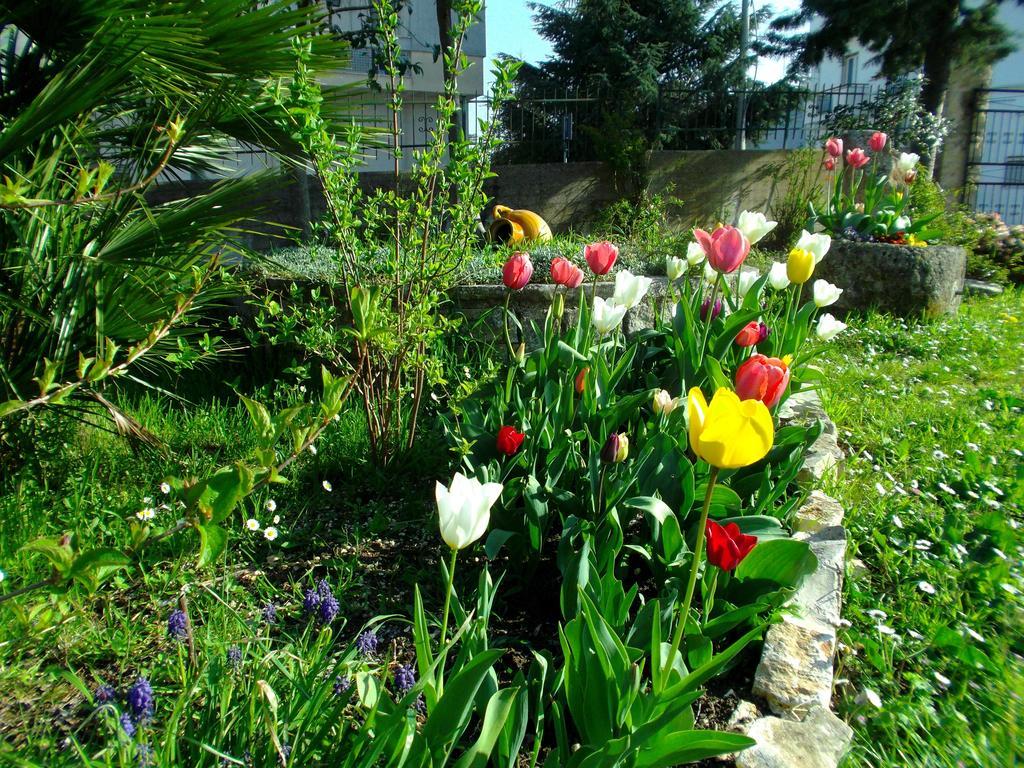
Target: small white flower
826, 294
885, 629
975, 635
925, 587
270, 506
270, 533
252, 524
312, 449
147, 500
147, 513
277, 519
897, 521
828, 327
942, 680
777, 276
867, 696
165, 488
2, 576
881, 489
327, 486
695, 254
915, 635
947, 489
875, 613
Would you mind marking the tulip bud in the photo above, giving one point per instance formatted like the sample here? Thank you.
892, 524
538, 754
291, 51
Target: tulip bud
727, 546
829, 163
517, 271
877, 141
600, 256
558, 306
616, 448
581, 381
521, 351
706, 305
748, 335
675, 267
834, 147
663, 403
509, 440
799, 266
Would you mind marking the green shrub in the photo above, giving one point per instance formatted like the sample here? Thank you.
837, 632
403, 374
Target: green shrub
999, 252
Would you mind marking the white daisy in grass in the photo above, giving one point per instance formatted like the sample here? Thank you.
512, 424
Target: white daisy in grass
312, 449
942, 680
270, 533
327, 486
252, 524
270, 506
165, 488
926, 587
147, 513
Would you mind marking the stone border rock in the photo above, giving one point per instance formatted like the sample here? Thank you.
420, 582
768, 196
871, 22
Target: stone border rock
795, 673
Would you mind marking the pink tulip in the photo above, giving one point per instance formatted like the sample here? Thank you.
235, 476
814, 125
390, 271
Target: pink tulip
517, 271
877, 141
726, 248
834, 147
857, 158
564, 272
600, 256
830, 163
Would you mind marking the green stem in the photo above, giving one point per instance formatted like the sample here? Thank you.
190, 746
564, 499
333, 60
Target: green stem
709, 602
708, 320
598, 510
508, 337
442, 651
698, 554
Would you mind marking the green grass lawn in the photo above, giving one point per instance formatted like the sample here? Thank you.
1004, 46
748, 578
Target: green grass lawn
930, 665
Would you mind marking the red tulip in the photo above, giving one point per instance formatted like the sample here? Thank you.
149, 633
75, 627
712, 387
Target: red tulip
517, 271
726, 248
600, 256
749, 334
510, 440
829, 163
581, 381
877, 141
857, 158
564, 272
834, 147
762, 378
726, 545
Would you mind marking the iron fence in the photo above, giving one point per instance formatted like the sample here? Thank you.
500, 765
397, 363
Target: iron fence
995, 164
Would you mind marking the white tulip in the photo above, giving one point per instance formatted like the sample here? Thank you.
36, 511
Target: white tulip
817, 244
675, 268
664, 403
745, 280
464, 509
630, 289
607, 315
826, 294
695, 254
755, 225
907, 161
710, 274
829, 327
777, 276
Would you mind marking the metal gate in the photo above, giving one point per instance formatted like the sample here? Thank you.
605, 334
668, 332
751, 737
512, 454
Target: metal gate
995, 163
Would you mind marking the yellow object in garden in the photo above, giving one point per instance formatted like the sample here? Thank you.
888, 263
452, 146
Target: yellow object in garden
730, 433
517, 226
916, 241
799, 266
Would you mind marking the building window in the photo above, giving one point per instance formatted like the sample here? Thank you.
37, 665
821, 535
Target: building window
850, 69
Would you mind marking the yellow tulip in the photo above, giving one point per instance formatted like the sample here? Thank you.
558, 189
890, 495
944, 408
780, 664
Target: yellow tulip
799, 266
730, 433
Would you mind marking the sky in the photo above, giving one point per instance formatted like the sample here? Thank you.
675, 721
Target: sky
510, 30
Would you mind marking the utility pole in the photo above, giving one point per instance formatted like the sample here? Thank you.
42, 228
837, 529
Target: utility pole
741, 95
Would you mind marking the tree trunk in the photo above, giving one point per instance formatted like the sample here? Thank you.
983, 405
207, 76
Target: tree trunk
937, 66
444, 36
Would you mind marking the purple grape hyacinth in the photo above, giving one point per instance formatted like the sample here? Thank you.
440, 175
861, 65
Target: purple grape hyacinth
269, 613
328, 609
105, 694
177, 625
367, 643
405, 679
127, 725
311, 602
140, 699
342, 684
234, 657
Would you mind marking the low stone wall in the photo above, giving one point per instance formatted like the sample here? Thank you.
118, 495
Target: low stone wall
795, 674
898, 279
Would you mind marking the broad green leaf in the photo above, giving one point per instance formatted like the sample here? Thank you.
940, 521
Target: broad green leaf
781, 561
213, 540
454, 708
498, 708
674, 749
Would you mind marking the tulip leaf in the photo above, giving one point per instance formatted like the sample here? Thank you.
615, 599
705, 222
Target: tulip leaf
499, 706
764, 527
652, 506
780, 561
454, 708
683, 747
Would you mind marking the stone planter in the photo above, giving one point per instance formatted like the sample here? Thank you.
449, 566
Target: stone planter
482, 306
898, 279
